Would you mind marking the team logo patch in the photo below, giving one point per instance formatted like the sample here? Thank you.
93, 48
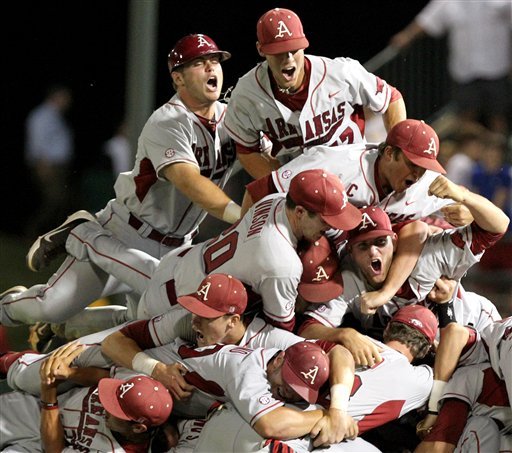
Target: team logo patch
320, 274
432, 149
290, 306
321, 308
169, 153
310, 376
286, 174
282, 29
125, 388
204, 290
202, 42
416, 322
366, 222
264, 400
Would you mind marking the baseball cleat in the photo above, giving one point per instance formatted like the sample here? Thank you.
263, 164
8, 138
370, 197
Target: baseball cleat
13, 290
53, 244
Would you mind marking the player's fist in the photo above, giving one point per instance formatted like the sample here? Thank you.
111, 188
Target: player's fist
457, 214
442, 187
443, 290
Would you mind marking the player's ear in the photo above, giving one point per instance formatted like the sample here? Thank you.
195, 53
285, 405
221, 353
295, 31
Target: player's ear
258, 48
177, 77
276, 362
139, 428
394, 239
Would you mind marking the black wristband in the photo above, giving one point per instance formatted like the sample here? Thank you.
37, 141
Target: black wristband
446, 314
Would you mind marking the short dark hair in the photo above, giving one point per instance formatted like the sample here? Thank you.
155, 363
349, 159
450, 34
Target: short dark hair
412, 338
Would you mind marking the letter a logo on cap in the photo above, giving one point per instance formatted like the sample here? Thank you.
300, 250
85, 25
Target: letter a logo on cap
366, 221
202, 42
320, 274
205, 289
431, 148
311, 374
282, 29
125, 387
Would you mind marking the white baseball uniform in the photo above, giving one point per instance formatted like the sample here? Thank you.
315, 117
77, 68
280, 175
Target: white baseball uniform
355, 166
148, 213
332, 114
450, 253
484, 395
82, 416
259, 250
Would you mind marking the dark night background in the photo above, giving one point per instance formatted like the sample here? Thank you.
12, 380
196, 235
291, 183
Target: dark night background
84, 44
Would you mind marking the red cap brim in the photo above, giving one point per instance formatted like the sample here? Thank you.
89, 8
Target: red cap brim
197, 307
348, 219
289, 45
319, 293
107, 392
425, 162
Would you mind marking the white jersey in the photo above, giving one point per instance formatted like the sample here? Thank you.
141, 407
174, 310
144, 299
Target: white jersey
174, 134
259, 250
447, 253
332, 114
225, 373
355, 166
479, 387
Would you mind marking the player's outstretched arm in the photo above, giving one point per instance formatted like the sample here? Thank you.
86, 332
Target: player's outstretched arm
364, 351
411, 240
285, 423
125, 351
202, 191
486, 214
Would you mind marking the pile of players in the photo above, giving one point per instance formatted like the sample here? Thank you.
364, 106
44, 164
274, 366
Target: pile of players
329, 309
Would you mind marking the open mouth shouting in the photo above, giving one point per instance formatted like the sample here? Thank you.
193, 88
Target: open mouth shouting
212, 83
376, 266
289, 73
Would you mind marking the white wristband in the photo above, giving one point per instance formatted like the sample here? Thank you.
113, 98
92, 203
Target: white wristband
143, 363
340, 394
435, 395
232, 212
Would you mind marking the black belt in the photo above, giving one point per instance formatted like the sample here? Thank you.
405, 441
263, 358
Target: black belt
155, 235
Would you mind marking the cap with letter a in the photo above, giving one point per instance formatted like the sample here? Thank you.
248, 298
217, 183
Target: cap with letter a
374, 223
305, 369
217, 295
280, 30
321, 280
418, 141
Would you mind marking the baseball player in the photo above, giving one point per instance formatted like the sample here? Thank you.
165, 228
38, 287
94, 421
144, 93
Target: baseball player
374, 399
475, 414
302, 100
114, 415
450, 253
260, 250
183, 160
395, 176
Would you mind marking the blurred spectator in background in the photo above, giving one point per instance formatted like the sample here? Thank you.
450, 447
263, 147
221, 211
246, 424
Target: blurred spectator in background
49, 151
119, 151
491, 175
480, 54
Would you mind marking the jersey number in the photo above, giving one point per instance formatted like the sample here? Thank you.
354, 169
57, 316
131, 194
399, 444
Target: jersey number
220, 251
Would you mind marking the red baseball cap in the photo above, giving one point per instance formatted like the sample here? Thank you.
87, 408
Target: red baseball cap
305, 369
420, 318
418, 141
374, 223
217, 295
140, 399
280, 30
323, 193
193, 46
320, 280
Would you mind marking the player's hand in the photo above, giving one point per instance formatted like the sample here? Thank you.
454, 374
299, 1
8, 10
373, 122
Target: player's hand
364, 351
442, 187
371, 301
443, 290
57, 366
425, 426
172, 377
457, 214
333, 427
